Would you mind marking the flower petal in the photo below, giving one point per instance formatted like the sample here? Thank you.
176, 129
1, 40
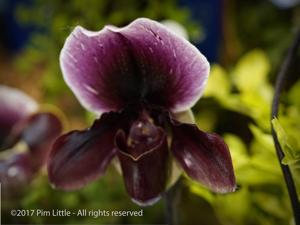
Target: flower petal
145, 176
15, 105
39, 128
143, 61
175, 72
38, 131
204, 157
79, 157
99, 69
185, 116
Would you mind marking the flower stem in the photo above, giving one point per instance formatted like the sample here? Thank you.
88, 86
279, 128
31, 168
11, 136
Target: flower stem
172, 197
281, 78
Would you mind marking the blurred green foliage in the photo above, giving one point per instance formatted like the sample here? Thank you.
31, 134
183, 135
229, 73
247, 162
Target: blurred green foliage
262, 195
260, 24
246, 89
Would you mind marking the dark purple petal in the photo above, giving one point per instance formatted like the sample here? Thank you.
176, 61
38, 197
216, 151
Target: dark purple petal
174, 70
79, 157
143, 136
15, 105
38, 131
39, 128
99, 69
144, 61
144, 161
204, 157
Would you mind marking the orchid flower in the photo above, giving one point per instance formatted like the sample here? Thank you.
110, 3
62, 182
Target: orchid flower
26, 136
139, 79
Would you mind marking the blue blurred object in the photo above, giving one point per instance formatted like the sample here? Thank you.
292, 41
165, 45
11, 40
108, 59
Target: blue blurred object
13, 36
209, 14
285, 4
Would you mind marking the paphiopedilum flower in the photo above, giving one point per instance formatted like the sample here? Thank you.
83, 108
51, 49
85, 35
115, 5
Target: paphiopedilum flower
139, 78
26, 137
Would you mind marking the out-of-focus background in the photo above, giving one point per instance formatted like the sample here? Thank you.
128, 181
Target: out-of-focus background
245, 42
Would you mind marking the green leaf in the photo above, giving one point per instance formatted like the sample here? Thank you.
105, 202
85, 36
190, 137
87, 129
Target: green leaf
238, 202
251, 71
252, 169
250, 77
200, 190
258, 105
270, 204
218, 83
263, 157
290, 146
238, 151
294, 94
265, 140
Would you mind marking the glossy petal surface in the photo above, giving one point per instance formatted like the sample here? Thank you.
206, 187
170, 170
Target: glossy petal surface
204, 157
142, 62
144, 161
79, 157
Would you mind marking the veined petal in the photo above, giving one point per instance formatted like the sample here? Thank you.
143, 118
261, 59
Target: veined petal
204, 157
143, 61
145, 173
79, 157
15, 105
99, 69
174, 71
